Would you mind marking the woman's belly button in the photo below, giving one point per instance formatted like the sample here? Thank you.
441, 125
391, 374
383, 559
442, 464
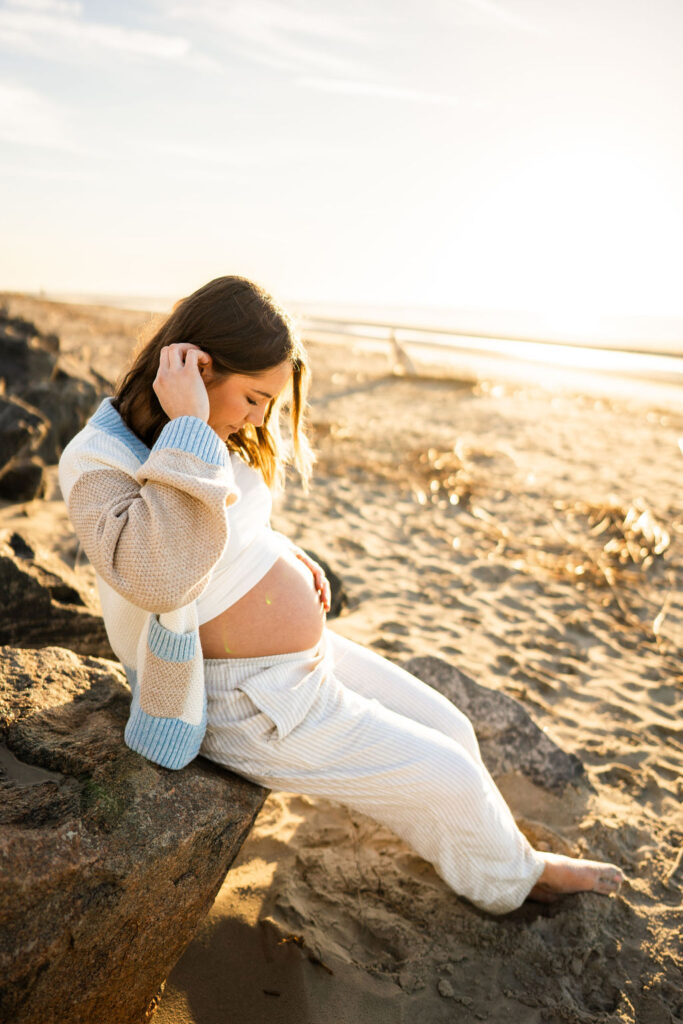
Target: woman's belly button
279, 615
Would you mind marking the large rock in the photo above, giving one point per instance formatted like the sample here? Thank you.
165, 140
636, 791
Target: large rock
107, 862
25, 354
37, 378
509, 739
67, 401
24, 480
22, 429
44, 602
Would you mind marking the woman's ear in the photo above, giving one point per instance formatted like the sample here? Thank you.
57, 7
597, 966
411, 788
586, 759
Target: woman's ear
205, 366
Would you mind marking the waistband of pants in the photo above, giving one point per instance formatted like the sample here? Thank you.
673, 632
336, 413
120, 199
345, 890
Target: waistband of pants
236, 670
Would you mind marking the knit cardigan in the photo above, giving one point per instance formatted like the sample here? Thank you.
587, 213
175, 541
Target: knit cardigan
153, 524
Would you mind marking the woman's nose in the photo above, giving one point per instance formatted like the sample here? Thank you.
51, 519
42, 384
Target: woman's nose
256, 416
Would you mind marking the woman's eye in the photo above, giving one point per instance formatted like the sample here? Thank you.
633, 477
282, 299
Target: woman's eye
251, 401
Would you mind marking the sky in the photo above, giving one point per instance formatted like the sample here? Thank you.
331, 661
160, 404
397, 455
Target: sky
495, 154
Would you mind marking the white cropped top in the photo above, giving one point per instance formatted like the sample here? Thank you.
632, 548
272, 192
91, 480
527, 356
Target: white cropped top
252, 548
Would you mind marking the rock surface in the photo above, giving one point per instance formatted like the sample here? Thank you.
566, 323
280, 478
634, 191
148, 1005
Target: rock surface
44, 603
22, 429
26, 355
66, 401
24, 480
509, 739
107, 866
44, 400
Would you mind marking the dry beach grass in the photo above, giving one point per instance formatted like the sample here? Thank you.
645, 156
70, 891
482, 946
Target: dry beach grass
534, 540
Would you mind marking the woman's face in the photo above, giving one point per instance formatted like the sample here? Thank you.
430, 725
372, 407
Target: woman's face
240, 399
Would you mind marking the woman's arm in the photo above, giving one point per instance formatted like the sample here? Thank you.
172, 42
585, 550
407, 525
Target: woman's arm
153, 531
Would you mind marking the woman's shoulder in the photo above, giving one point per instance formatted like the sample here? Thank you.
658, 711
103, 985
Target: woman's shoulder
109, 428
105, 442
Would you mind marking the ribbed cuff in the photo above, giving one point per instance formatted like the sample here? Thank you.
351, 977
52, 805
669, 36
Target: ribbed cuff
190, 434
169, 645
169, 742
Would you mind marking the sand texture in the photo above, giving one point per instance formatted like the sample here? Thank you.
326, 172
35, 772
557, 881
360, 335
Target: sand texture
534, 540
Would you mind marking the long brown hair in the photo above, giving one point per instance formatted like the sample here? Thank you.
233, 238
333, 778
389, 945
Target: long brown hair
244, 331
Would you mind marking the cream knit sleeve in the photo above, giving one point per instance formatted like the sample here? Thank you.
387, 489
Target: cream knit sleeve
155, 532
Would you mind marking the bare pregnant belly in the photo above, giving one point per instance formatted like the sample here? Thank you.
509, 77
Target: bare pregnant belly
281, 614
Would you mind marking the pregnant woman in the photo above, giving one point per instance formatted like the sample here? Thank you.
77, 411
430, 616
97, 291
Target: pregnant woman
219, 621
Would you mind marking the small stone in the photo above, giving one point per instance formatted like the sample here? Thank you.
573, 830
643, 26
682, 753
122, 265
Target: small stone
446, 989
410, 981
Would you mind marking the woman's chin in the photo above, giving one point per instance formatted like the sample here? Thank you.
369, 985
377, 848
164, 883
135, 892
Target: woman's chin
223, 431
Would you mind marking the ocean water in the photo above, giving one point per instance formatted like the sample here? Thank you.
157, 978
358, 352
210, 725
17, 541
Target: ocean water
628, 356
632, 358
661, 334
147, 303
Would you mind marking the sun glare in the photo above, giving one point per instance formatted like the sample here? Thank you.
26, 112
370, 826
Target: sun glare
574, 236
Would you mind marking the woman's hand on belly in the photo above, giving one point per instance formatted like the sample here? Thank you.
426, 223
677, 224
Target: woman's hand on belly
322, 584
283, 613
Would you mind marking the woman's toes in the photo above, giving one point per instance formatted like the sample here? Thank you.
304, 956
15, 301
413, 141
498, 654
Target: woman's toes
609, 881
569, 875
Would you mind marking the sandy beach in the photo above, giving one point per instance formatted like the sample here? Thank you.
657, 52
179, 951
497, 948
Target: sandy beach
533, 539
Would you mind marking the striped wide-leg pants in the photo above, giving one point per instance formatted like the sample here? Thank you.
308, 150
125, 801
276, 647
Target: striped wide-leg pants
341, 722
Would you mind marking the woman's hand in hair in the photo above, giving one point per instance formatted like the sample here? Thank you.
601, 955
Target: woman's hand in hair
178, 384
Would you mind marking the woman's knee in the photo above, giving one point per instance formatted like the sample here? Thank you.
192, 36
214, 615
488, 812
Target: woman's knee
464, 734
449, 778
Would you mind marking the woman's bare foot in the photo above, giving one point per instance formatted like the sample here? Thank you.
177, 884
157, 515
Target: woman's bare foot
567, 874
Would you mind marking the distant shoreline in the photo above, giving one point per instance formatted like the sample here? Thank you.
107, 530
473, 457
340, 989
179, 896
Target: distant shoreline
603, 370
637, 333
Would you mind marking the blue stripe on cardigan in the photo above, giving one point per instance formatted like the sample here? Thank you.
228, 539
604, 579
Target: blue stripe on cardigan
107, 419
186, 433
169, 645
169, 742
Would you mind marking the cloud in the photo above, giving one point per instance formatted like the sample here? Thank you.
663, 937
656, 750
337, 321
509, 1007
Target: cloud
350, 87
21, 172
50, 6
28, 118
344, 39
286, 36
245, 155
38, 25
498, 13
